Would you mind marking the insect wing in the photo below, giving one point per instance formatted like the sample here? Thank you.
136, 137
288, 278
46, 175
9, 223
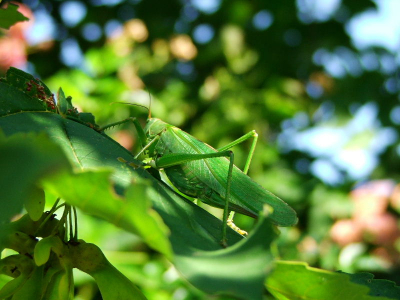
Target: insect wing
247, 196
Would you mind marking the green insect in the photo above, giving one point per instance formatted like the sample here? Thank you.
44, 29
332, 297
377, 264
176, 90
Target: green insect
200, 171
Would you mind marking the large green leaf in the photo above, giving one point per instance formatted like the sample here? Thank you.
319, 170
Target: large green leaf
10, 15
298, 281
88, 149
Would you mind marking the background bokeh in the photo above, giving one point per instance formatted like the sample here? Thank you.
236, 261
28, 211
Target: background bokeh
317, 79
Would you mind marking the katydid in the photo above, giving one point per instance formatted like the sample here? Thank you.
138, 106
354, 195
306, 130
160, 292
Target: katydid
200, 171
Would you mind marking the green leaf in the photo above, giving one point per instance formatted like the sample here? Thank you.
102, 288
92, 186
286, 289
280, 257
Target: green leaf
91, 192
87, 118
35, 202
67, 110
20, 91
10, 15
14, 96
296, 280
112, 283
62, 103
30, 85
237, 271
4, 279
25, 158
378, 287
43, 249
32, 288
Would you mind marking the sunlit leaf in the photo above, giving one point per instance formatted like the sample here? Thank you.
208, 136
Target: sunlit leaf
298, 281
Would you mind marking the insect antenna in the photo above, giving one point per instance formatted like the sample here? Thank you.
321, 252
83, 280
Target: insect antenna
134, 104
123, 121
149, 116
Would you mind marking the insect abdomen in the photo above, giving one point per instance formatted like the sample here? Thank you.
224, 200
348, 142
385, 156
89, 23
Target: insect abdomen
185, 181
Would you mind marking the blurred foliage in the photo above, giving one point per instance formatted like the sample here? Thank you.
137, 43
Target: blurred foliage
243, 78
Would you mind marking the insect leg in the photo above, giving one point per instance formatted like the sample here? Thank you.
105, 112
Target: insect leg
227, 196
147, 146
252, 134
174, 159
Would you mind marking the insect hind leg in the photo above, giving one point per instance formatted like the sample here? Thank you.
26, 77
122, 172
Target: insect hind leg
252, 134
